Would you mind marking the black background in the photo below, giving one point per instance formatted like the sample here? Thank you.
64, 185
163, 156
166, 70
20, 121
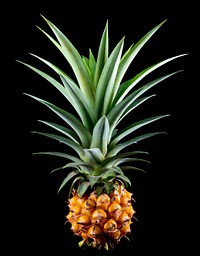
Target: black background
166, 194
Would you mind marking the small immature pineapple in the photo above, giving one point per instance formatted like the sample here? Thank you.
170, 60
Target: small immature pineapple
101, 208
101, 220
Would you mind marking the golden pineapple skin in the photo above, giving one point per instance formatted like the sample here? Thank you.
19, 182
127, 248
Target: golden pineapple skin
101, 221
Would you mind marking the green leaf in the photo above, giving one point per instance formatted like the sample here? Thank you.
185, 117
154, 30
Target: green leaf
75, 146
130, 159
83, 167
99, 189
50, 79
116, 117
101, 135
108, 187
106, 81
110, 161
126, 87
69, 133
93, 155
102, 55
74, 59
70, 119
121, 146
133, 168
70, 90
119, 111
124, 178
93, 180
80, 103
59, 154
91, 65
107, 173
128, 57
133, 127
70, 176
82, 188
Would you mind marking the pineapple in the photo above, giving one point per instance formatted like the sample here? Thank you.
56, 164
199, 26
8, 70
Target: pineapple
100, 206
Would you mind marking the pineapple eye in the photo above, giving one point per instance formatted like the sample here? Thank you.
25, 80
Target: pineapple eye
125, 228
110, 225
84, 220
125, 201
104, 198
123, 217
94, 231
115, 235
116, 199
90, 204
114, 208
130, 211
76, 209
103, 201
75, 227
99, 214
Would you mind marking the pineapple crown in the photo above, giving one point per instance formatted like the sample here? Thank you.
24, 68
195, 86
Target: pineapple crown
101, 99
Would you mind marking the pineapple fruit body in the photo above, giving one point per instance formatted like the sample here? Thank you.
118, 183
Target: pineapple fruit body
101, 220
